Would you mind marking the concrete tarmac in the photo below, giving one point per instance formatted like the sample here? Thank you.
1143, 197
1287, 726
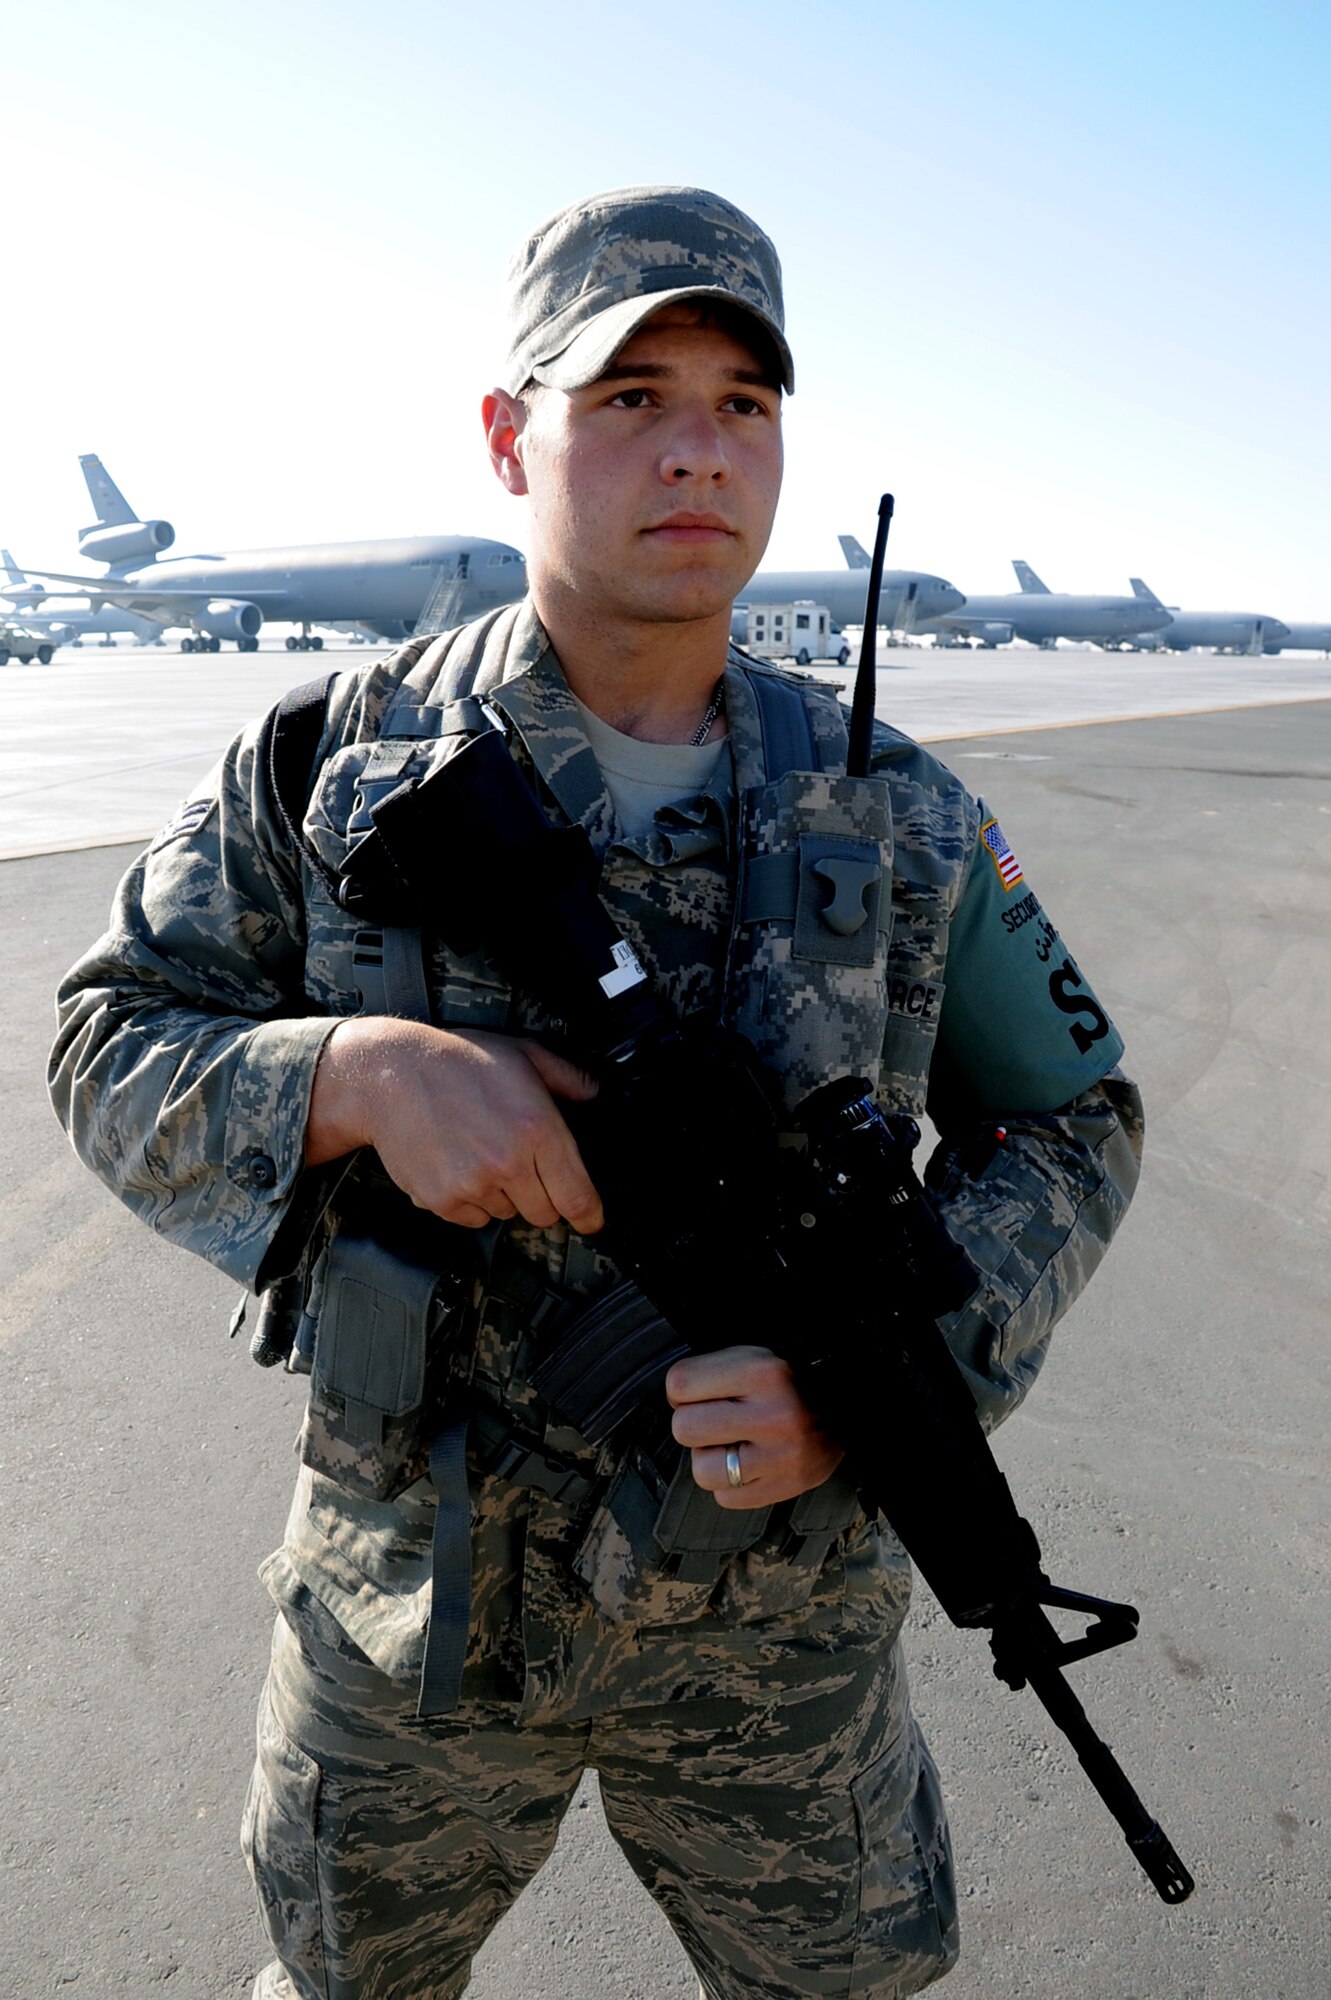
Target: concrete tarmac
1173, 1454
104, 743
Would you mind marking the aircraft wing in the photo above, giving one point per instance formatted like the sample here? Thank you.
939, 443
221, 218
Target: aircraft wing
153, 599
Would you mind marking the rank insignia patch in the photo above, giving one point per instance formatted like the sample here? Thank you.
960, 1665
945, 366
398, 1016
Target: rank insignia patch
1004, 860
188, 820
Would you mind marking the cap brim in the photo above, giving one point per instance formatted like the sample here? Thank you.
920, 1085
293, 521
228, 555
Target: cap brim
595, 347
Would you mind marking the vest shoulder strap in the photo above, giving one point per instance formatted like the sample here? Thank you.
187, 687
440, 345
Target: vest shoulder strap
800, 723
289, 748
788, 739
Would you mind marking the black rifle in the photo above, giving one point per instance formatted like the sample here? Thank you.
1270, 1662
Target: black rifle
831, 1246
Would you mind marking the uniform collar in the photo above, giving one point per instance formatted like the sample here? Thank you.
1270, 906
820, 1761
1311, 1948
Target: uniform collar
523, 679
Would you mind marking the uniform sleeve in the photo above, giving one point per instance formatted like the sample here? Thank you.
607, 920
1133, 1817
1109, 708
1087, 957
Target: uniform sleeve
1020, 1028
1026, 1050
1035, 1212
185, 1051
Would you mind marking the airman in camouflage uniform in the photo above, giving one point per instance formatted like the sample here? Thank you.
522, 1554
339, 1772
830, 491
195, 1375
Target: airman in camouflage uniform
727, 1661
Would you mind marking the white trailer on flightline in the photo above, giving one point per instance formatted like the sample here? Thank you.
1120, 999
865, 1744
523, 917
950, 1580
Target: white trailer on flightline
802, 631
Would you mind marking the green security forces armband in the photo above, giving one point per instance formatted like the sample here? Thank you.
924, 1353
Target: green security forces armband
1020, 1028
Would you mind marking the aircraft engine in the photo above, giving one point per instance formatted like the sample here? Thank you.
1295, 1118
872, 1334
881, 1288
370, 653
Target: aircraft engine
230, 618
122, 543
992, 634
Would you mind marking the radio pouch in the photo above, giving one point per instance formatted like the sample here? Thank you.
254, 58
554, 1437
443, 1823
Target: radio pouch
806, 978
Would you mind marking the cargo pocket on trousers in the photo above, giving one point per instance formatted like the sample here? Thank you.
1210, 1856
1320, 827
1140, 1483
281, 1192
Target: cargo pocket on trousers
278, 1834
907, 1930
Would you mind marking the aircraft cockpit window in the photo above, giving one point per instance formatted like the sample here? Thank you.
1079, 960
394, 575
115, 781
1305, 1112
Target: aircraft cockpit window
505, 556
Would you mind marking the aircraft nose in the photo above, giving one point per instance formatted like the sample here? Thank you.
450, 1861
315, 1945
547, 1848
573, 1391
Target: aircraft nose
938, 597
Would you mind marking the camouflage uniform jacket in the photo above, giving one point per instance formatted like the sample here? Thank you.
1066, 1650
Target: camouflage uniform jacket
187, 1046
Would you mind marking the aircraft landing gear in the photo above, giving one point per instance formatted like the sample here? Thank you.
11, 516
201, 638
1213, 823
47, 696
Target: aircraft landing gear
201, 644
307, 642
247, 645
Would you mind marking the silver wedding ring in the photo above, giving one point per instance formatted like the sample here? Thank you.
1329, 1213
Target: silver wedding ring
734, 1471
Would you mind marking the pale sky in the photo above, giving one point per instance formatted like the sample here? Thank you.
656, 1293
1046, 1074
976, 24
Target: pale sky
1056, 275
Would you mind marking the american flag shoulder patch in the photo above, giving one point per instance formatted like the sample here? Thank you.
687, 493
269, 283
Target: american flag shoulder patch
1004, 860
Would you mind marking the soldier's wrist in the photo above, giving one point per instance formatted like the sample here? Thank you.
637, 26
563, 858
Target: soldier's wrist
348, 1079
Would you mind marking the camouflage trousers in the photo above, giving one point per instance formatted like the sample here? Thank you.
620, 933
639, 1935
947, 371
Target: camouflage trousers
798, 1849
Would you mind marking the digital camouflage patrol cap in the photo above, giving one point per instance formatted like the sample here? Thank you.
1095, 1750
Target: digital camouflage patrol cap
588, 278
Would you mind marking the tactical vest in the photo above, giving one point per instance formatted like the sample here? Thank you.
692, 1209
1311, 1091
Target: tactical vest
830, 963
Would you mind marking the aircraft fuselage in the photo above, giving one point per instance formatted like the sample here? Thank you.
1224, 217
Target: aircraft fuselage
1221, 631
383, 583
909, 595
1300, 637
1037, 616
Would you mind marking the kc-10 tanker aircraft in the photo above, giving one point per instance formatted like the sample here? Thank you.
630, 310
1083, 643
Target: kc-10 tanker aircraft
385, 586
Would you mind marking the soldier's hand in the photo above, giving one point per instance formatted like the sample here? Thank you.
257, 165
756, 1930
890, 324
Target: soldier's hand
465, 1123
744, 1398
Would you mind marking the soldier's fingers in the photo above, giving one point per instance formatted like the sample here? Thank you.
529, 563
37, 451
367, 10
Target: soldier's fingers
568, 1185
711, 1471
730, 1371
466, 1214
531, 1199
699, 1425
560, 1077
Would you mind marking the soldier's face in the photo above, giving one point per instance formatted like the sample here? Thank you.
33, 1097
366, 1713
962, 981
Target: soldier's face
652, 491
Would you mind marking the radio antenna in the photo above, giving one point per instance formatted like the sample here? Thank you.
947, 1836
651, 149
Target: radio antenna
866, 682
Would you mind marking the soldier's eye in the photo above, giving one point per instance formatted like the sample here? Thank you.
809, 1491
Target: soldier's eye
631, 399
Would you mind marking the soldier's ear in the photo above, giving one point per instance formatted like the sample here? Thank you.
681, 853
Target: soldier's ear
505, 419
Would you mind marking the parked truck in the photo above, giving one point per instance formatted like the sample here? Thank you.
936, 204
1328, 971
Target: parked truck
802, 632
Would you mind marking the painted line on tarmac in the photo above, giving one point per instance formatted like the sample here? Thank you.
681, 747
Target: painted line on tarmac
1147, 715
78, 846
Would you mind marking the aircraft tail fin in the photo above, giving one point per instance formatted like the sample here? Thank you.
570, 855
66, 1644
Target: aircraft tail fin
109, 503
856, 557
1143, 590
1028, 580
12, 570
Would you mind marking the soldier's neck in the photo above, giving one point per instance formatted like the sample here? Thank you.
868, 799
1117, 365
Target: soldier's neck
649, 680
